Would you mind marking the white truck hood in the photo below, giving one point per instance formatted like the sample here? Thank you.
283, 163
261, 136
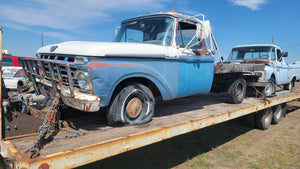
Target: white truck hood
101, 49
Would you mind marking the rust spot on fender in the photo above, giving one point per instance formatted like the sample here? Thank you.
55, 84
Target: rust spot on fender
96, 65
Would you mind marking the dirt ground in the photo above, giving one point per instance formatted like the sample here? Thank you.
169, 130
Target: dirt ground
233, 144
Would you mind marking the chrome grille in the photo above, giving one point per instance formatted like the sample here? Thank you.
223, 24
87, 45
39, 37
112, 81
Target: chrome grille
62, 71
57, 57
52, 74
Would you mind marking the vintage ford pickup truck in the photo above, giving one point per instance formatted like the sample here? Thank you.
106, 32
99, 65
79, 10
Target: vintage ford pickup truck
162, 55
261, 66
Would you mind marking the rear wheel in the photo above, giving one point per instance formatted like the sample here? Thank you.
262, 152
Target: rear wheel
134, 104
237, 91
289, 86
277, 114
264, 118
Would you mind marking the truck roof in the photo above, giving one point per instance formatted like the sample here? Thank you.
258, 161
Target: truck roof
170, 14
258, 45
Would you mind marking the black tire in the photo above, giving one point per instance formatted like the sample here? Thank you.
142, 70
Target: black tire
289, 86
277, 114
270, 88
22, 86
2, 163
134, 104
237, 91
283, 109
264, 118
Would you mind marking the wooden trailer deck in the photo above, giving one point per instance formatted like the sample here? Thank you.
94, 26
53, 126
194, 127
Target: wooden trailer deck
100, 141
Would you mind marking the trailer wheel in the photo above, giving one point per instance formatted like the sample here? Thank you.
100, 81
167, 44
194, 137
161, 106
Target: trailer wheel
277, 114
270, 88
237, 91
134, 104
264, 118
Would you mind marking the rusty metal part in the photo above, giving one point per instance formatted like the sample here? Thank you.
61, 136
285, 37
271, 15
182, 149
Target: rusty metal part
134, 107
260, 94
237, 68
5, 105
44, 128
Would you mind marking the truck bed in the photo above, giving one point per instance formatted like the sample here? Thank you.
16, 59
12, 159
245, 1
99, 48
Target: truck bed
171, 118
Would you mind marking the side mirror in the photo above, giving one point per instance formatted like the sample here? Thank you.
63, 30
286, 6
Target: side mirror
203, 29
284, 54
117, 31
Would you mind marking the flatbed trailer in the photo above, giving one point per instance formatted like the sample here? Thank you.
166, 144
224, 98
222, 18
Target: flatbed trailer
100, 141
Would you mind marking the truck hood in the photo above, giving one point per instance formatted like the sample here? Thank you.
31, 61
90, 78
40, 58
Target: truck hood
106, 49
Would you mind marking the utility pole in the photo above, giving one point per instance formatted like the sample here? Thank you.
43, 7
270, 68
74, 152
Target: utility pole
42, 39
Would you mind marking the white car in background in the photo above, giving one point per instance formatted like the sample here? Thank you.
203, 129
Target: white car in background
11, 75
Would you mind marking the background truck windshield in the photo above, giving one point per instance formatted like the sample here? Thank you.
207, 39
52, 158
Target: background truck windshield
157, 30
252, 53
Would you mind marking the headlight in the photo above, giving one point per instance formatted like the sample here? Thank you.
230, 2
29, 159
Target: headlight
258, 74
84, 80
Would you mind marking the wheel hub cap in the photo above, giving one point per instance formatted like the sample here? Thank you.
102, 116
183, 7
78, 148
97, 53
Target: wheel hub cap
134, 108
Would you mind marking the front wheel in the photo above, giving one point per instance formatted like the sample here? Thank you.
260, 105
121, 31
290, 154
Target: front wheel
270, 88
237, 90
134, 104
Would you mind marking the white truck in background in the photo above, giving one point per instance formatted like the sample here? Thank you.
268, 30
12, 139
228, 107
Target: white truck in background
261, 66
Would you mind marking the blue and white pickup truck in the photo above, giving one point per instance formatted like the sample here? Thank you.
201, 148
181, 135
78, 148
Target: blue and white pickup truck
162, 55
262, 66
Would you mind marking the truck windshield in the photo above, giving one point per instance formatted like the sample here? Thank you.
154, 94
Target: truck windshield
252, 53
156, 30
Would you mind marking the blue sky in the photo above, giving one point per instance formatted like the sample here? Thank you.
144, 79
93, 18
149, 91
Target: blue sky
234, 22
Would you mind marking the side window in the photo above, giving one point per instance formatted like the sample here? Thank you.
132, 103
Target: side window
279, 58
185, 33
19, 73
7, 62
273, 54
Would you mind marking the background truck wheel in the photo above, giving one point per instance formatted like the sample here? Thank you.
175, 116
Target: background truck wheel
237, 91
289, 86
264, 118
270, 88
277, 114
134, 105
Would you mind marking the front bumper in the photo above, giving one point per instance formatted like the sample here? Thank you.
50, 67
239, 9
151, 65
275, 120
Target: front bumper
83, 102
257, 84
